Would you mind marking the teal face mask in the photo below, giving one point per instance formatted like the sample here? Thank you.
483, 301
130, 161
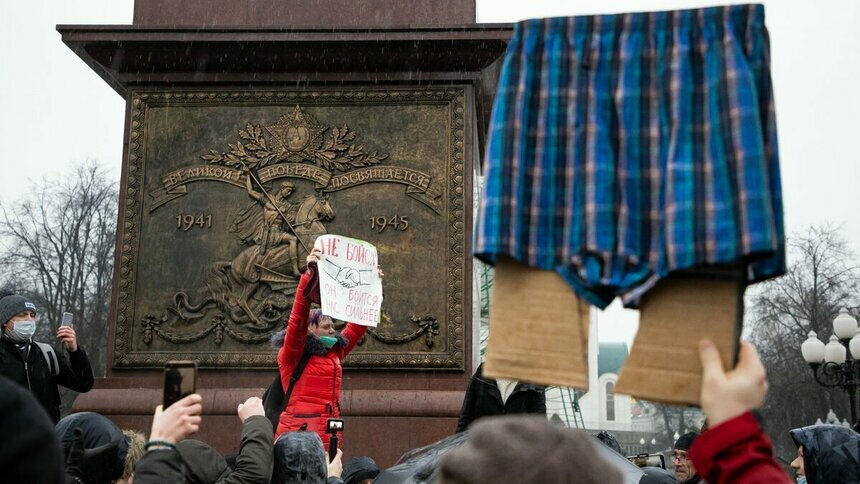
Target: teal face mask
801, 480
328, 341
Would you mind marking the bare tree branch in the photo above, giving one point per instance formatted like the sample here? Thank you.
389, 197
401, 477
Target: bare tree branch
823, 276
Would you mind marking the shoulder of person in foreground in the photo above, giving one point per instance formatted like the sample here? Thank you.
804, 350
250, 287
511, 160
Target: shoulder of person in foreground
35, 455
734, 448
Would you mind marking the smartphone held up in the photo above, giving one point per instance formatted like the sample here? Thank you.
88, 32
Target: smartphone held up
68, 319
180, 380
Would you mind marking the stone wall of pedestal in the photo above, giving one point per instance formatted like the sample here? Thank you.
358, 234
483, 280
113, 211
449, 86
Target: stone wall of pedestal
382, 423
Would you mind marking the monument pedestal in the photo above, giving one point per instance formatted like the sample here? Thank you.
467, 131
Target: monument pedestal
382, 423
404, 387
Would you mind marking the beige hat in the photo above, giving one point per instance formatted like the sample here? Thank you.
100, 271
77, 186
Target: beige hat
525, 449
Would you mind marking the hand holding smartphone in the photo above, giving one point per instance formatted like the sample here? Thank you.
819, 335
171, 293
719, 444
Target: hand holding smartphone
66, 332
180, 380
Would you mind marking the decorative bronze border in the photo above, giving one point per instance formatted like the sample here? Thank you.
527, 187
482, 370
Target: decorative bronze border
454, 355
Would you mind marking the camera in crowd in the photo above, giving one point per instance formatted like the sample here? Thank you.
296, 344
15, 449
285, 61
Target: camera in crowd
648, 460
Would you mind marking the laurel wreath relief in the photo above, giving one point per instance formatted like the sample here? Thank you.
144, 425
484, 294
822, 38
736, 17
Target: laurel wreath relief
336, 151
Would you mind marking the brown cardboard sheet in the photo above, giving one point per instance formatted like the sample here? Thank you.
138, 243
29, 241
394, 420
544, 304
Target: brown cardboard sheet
674, 316
538, 328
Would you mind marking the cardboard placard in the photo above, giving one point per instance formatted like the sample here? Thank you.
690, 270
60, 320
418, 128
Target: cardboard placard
538, 328
674, 316
350, 286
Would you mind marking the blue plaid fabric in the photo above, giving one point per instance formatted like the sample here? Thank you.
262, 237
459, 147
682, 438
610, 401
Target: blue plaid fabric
624, 147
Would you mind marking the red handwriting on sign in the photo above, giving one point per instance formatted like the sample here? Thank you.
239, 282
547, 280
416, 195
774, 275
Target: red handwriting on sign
361, 297
360, 253
331, 297
361, 313
329, 246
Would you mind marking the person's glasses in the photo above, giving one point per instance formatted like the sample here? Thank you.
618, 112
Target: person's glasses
679, 457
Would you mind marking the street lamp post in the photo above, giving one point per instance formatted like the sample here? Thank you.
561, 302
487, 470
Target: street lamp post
837, 364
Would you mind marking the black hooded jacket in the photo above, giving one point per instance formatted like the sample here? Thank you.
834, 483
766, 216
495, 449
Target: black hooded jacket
483, 398
831, 453
35, 374
96, 431
358, 469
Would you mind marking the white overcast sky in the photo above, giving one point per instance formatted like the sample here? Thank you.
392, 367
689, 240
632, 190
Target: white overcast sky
56, 111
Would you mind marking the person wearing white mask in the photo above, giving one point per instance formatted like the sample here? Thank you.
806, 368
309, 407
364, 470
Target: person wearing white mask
38, 366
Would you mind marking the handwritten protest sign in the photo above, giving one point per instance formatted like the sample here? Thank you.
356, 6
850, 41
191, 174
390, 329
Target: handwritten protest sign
350, 287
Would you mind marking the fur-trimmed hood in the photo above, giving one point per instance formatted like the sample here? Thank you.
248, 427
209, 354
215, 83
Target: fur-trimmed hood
312, 343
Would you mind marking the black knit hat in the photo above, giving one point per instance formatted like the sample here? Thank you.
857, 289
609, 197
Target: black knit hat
12, 304
358, 469
685, 441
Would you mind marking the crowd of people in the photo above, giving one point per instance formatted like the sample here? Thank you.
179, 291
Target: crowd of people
506, 436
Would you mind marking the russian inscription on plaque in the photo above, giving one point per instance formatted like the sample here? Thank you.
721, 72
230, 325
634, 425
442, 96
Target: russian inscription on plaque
226, 192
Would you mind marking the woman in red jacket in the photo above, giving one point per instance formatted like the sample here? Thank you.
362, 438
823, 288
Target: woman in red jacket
316, 393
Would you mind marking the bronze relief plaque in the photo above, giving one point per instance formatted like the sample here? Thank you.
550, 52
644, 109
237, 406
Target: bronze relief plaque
225, 192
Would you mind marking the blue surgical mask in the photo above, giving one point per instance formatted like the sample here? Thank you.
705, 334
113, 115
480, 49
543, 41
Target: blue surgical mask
801, 480
328, 341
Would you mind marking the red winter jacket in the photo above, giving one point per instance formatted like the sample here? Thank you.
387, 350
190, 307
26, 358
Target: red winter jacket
736, 451
316, 393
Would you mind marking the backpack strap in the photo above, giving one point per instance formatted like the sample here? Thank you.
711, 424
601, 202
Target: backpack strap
275, 399
296, 374
50, 357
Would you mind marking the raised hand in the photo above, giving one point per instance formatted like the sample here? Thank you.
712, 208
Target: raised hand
335, 467
314, 256
726, 395
68, 337
178, 421
252, 406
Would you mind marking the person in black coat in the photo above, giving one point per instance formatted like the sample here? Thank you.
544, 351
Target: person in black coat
486, 396
23, 361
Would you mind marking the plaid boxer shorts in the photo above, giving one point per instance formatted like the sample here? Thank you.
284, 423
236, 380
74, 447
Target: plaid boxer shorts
625, 147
